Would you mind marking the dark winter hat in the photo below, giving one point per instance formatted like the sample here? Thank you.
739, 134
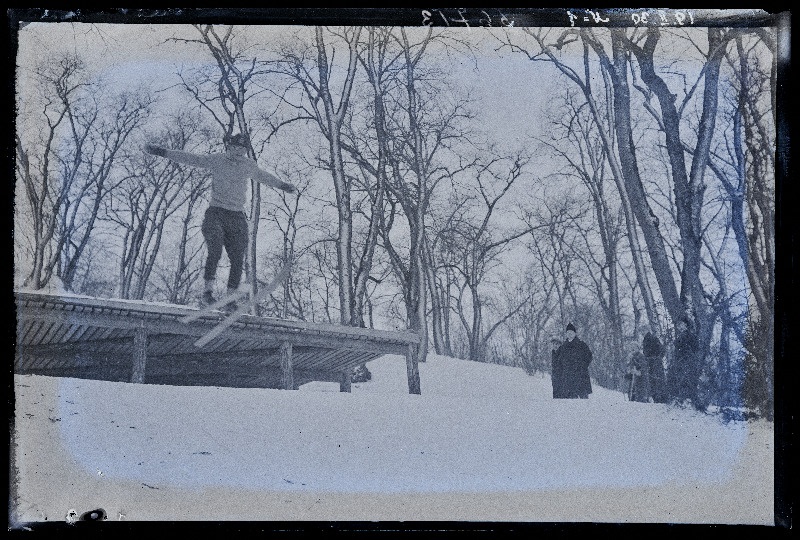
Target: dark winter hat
235, 140
570, 327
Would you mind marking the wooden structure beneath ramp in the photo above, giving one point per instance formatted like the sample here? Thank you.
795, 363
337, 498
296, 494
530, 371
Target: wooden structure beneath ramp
140, 342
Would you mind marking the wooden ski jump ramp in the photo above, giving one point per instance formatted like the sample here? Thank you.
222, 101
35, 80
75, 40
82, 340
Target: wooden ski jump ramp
140, 342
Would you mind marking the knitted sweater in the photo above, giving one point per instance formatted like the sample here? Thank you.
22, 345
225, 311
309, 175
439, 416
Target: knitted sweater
229, 176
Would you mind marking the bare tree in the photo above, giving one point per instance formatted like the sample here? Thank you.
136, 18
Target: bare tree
602, 107
689, 186
745, 167
324, 295
725, 367
370, 150
552, 241
528, 327
68, 169
152, 192
181, 272
423, 126
475, 248
313, 70
440, 268
285, 215
364, 139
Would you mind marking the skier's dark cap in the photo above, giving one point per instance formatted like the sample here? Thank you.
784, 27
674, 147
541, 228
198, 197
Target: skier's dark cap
570, 327
234, 140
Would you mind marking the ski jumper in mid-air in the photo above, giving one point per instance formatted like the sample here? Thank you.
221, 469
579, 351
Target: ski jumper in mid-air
225, 222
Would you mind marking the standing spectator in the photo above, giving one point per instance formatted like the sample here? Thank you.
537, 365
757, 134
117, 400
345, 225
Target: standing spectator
653, 352
575, 357
557, 369
684, 373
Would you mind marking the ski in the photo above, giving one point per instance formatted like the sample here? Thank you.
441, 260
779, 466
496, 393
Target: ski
230, 319
222, 302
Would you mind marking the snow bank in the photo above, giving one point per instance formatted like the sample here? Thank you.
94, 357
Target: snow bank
481, 442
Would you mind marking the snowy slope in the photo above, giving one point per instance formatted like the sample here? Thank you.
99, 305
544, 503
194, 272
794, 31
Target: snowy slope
481, 442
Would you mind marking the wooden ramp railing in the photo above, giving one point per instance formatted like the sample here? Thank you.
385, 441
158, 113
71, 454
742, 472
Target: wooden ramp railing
125, 340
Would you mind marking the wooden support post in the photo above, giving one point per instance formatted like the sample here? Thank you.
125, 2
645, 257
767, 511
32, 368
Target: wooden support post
286, 366
412, 369
139, 354
345, 382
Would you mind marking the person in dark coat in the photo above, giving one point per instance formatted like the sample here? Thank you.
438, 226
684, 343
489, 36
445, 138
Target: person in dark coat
684, 371
653, 352
557, 370
575, 357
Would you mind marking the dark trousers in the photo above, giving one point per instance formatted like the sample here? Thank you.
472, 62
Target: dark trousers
228, 229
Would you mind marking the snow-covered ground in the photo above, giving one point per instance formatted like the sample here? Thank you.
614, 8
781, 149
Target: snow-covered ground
482, 442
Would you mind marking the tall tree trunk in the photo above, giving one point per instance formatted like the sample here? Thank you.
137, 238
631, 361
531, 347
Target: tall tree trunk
689, 190
633, 182
333, 118
375, 71
637, 253
415, 210
476, 351
440, 306
417, 294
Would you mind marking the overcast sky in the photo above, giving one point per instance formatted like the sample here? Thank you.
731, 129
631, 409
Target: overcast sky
508, 86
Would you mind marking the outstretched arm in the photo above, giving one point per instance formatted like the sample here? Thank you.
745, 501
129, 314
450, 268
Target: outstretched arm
186, 158
271, 180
